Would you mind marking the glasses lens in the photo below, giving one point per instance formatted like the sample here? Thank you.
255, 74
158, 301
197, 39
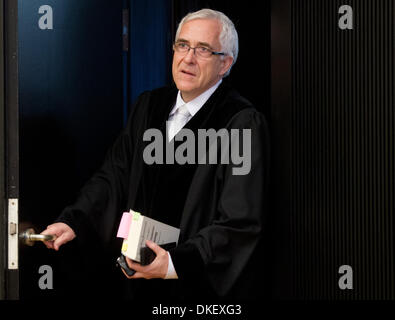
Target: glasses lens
203, 52
181, 47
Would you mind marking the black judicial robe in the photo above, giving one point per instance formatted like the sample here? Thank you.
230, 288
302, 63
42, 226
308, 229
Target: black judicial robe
221, 215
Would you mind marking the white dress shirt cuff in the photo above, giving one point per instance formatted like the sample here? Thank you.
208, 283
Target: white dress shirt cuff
171, 272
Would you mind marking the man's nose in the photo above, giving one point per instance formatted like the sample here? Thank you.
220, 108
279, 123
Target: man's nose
190, 57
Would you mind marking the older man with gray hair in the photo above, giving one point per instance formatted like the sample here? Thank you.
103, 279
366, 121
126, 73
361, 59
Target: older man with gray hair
220, 215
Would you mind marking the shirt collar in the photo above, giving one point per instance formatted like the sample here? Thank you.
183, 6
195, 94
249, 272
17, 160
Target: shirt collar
194, 105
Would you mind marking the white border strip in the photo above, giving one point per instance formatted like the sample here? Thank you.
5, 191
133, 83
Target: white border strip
13, 234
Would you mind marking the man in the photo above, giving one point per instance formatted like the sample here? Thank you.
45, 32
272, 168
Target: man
220, 214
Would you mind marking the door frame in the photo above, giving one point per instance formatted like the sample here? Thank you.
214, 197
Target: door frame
2, 159
9, 150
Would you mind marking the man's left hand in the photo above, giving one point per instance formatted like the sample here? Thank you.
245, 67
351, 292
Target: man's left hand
156, 269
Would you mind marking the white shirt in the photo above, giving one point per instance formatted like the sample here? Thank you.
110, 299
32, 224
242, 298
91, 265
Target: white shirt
193, 107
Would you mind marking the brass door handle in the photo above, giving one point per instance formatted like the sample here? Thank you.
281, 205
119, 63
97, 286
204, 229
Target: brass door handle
29, 237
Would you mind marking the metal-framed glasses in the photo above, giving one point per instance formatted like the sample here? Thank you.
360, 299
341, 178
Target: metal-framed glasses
203, 52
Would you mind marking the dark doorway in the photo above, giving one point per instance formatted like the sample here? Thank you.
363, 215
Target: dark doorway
70, 111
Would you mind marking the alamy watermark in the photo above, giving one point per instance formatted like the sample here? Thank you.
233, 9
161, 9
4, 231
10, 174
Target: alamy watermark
346, 280
234, 148
46, 280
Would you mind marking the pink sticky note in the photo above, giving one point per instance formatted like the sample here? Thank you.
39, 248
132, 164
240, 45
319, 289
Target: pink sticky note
123, 230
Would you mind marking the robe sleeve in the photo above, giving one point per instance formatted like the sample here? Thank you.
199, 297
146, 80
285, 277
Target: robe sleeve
219, 252
103, 198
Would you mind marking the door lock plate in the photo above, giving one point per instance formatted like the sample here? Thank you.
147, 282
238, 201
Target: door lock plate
13, 234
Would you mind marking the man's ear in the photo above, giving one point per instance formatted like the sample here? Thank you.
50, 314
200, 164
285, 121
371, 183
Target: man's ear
226, 64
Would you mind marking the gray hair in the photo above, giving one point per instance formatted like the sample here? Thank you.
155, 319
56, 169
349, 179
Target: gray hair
228, 38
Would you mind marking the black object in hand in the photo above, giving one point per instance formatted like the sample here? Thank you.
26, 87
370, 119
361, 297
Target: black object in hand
147, 255
121, 261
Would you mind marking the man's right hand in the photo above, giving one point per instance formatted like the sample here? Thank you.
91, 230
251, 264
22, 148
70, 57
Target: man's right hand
63, 234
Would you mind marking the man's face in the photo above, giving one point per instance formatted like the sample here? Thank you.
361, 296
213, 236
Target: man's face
192, 74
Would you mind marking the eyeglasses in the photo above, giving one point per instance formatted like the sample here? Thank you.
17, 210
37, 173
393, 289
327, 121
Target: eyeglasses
203, 52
